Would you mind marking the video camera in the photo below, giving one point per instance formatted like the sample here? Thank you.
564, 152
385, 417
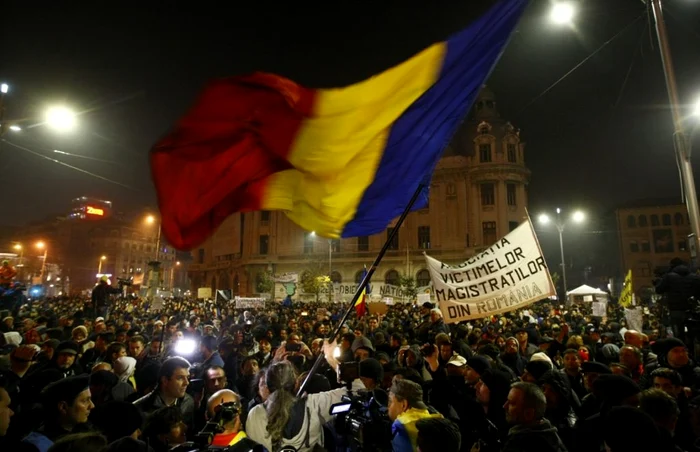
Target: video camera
225, 413
128, 282
362, 421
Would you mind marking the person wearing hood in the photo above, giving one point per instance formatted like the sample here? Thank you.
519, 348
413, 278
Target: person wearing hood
677, 286
526, 348
412, 357
492, 393
65, 359
538, 365
124, 368
512, 358
560, 403
530, 431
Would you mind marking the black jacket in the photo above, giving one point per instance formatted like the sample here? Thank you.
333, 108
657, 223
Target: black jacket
541, 437
101, 292
677, 286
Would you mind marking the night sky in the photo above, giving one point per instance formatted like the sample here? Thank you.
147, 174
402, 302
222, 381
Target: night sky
599, 138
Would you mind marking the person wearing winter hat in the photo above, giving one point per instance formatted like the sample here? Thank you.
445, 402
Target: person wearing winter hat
535, 369
492, 393
438, 435
371, 373
124, 368
476, 366
560, 404
511, 356
673, 354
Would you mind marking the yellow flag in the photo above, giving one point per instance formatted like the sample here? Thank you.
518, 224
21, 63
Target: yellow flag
626, 295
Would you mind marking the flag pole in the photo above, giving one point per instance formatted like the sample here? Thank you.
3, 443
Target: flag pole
363, 284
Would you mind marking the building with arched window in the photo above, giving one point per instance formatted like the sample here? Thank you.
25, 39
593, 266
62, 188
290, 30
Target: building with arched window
477, 195
650, 234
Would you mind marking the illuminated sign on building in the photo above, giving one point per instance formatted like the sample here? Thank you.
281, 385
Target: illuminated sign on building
94, 211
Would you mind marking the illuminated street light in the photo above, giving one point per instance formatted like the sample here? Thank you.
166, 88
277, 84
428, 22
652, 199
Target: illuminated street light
18, 247
576, 217
313, 234
696, 110
15, 128
60, 118
562, 13
99, 267
150, 219
4, 88
41, 245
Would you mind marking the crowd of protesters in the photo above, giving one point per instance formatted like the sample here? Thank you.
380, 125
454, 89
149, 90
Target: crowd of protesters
84, 375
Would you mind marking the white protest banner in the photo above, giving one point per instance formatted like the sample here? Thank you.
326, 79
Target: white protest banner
249, 303
600, 308
509, 275
288, 278
423, 298
204, 292
634, 318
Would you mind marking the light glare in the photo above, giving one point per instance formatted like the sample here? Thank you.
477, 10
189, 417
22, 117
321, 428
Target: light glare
544, 218
4, 88
60, 118
578, 216
15, 128
562, 13
696, 110
185, 347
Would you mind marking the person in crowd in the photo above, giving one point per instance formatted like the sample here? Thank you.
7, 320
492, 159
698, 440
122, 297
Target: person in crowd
79, 442
673, 354
560, 404
437, 435
573, 370
526, 348
164, 429
208, 349
284, 419
511, 356
406, 407
173, 379
621, 421
117, 419
98, 352
531, 432
232, 433
663, 409
677, 286
264, 355
6, 412
100, 296
66, 407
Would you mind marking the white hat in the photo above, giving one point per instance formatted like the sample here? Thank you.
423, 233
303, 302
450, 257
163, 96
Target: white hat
457, 360
99, 319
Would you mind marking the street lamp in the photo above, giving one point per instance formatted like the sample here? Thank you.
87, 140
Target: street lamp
172, 275
15, 128
4, 88
151, 219
562, 13
99, 266
42, 246
576, 217
60, 118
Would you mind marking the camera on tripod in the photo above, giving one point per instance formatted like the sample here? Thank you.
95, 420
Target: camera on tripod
363, 422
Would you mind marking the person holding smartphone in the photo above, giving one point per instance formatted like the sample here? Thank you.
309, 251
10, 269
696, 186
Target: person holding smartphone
293, 346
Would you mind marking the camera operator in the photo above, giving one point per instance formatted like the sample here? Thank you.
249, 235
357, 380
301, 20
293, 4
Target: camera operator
100, 296
677, 286
231, 429
285, 420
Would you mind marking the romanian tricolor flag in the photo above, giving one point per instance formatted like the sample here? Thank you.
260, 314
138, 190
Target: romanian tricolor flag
343, 162
361, 303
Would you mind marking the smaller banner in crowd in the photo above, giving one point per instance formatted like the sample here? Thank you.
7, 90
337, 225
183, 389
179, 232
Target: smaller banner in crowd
204, 292
600, 308
626, 294
249, 303
509, 275
634, 318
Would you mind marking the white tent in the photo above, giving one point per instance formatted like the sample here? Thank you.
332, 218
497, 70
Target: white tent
586, 293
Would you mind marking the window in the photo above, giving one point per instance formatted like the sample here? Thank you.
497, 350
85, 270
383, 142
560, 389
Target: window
264, 217
488, 196
392, 278
394, 244
631, 221
646, 246
484, 153
423, 278
511, 191
655, 220
489, 232
512, 153
335, 245
678, 219
666, 219
336, 277
264, 244
200, 256
308, 243
643, 221
634, 247
424, 237
363, 243
512, 225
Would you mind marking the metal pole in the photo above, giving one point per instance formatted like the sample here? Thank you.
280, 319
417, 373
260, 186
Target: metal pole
680, 141
330, 257
43, 265
99, 267
158, 242
560, 227
363, 284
